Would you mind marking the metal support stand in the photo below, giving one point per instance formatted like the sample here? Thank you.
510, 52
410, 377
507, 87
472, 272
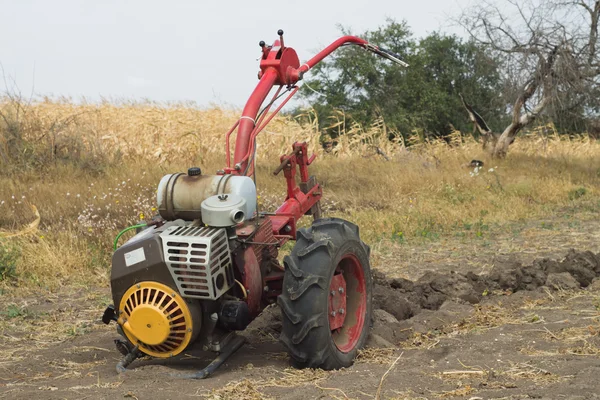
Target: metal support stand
231, 347
129, 358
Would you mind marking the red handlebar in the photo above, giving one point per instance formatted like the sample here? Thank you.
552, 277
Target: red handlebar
279, 66
330, 49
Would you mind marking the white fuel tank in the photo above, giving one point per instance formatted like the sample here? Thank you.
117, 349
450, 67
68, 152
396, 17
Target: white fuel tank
181, 195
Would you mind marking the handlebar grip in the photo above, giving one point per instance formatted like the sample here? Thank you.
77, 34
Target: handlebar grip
386, 54
389, 53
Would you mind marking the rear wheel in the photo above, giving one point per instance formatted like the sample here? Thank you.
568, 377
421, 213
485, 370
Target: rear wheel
326, 298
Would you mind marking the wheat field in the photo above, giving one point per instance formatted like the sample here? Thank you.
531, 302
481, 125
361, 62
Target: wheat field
92, 169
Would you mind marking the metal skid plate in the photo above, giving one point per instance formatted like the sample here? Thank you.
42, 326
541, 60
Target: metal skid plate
199, 261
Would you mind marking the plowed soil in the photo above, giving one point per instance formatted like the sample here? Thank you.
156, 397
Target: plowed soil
517, 331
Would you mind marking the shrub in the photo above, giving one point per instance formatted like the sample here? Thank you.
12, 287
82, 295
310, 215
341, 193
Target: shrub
577, 193
9, 255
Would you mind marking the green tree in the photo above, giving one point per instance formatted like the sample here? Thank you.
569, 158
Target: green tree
423, 97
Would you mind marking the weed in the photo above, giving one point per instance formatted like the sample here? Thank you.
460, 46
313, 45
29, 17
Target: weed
427, 234
9, 256
480, 226
455, 196
13, 311
547, 225
577, 193
398, 234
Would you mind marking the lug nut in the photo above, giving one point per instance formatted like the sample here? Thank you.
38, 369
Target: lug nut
341, 311
341, 290
333, 292
333, 313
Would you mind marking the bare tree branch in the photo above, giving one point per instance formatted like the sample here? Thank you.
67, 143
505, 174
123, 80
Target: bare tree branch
549, 50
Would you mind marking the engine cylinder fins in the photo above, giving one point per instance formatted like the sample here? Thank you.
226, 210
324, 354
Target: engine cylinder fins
158, 319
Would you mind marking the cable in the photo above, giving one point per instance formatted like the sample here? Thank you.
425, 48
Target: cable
243, 289
126, 230
313, 90
273, 101
252, 158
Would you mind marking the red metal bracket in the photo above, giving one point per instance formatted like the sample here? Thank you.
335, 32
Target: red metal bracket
284, 60
298, 202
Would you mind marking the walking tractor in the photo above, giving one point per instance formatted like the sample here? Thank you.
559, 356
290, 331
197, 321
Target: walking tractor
208, 265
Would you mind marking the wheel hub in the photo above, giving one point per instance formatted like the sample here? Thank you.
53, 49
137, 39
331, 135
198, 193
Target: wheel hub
337, 302
351, 297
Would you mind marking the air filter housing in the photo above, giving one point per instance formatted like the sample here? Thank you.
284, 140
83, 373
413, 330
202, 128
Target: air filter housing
223, 210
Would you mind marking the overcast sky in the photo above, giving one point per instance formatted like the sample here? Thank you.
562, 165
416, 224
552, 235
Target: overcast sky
179, 50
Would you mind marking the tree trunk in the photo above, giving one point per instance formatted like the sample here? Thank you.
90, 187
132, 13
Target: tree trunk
501, 148
594, 16
505, 139
489, 141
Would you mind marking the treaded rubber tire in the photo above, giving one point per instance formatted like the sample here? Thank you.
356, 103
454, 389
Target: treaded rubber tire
305, 295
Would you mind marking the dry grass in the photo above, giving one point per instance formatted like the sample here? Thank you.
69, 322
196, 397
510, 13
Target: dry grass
250, 390
530, 373
242, 390
492, 316
458, 392
374, 355
422, 194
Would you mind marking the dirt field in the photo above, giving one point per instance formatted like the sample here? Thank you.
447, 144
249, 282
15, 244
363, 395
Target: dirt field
457, 314
506, 324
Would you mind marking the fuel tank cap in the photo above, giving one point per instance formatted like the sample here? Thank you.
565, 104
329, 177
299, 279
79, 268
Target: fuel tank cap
194, 171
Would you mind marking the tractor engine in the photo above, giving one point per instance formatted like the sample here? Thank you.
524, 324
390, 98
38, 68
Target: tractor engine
195, 274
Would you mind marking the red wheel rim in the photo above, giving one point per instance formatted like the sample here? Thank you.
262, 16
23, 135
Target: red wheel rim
347, 305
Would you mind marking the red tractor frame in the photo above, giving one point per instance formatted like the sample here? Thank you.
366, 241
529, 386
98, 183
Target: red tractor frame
280, 66
324, 287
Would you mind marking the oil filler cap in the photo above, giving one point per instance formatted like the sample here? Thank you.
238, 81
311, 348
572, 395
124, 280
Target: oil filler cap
194, 171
